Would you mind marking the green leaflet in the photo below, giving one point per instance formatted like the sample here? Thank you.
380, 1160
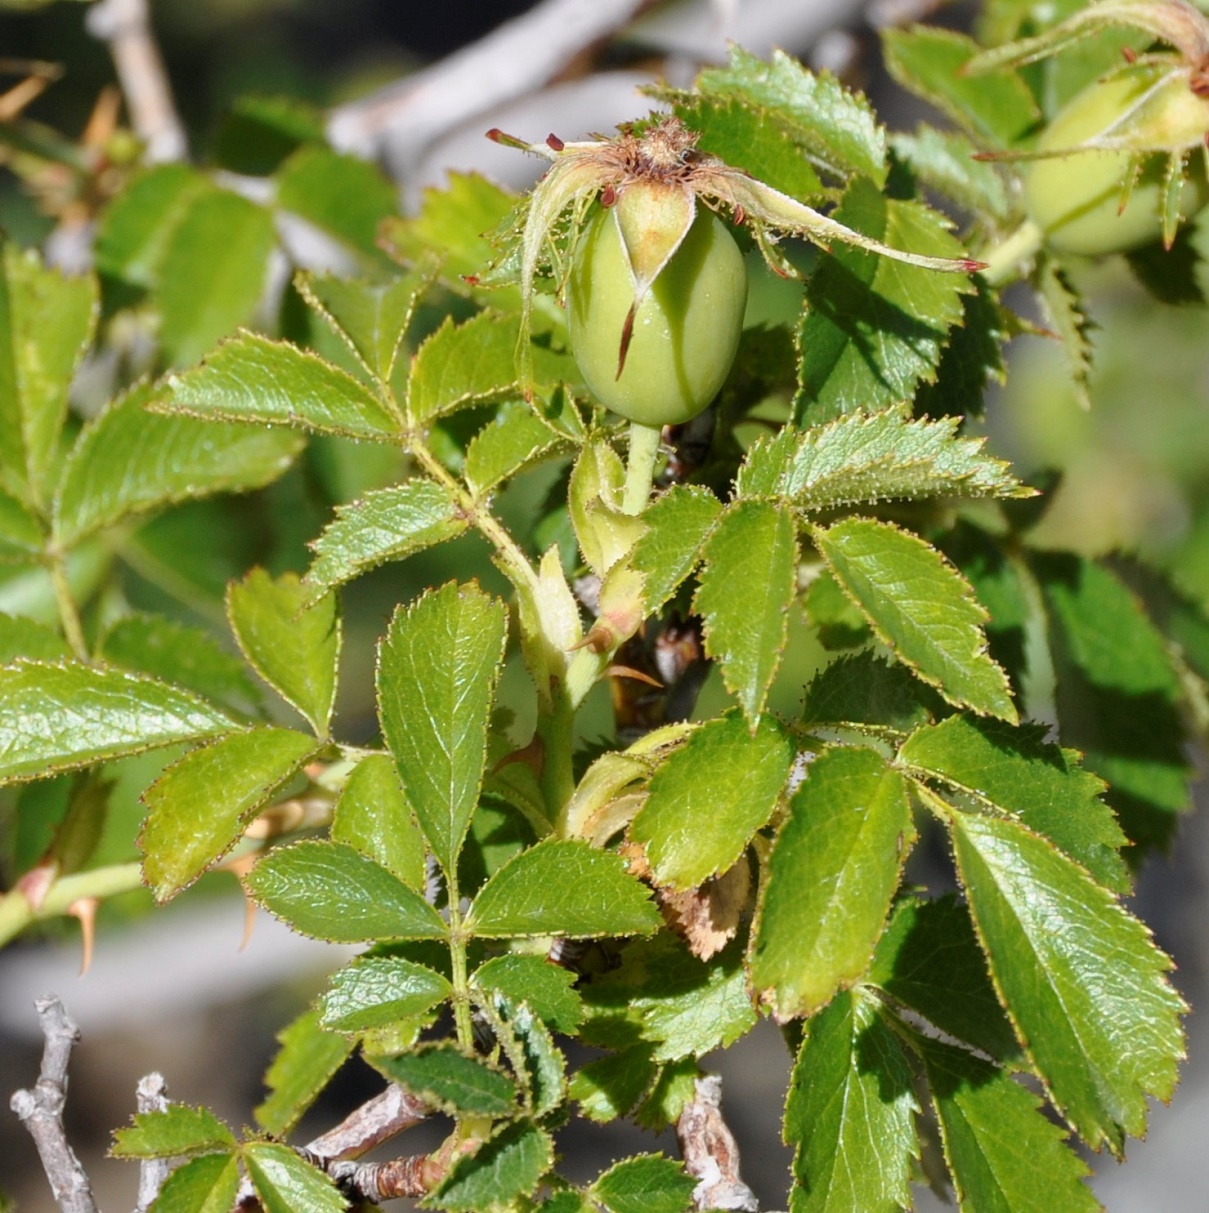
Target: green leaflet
1079, 976
136, 226
303, 1066
738, 135
178, 1129
834, 867
874, 328
709, 797
667, 551
437, 669
871, 457
646, 1183
507, 1167
250, 378
1014, 770
1004, 1155
996, 108
46, 324
929, 960
186, 656
377, 990
453, 1081
548, 989
745, 588
849, 1113
129, 461
663, 995
1118, 696
944, 161
374, 816
565, 888
343, 195
64, 716
291, 640
23, 637
371, 318
287, 1184
536, 1060
920, 607
835, 126
212, 272
328, 891
462, 364
208, 1184
610, 1086
199, 807
513, 440
863, 692
386, 524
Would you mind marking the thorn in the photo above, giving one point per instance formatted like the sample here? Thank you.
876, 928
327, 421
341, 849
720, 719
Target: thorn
554, 143
1129, 54
239, 868
85, 909
470, 279
740, 216
627, 334
625, 671
600, 639
608, 196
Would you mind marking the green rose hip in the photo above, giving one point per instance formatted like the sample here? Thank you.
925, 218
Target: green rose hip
661, 358
1078, 196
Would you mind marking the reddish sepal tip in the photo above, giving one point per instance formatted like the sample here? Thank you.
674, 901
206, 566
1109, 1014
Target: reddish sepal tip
495, 135
971, 266
554, 143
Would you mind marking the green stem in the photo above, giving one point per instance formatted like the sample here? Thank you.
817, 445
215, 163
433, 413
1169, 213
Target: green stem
69, 613
1003, 261
457, 966
16, 913
640, 467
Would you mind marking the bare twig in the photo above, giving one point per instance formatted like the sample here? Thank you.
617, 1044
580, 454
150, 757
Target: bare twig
710, 1153
514, 59
126, 26
152, 1096
374, 1122
41, 1111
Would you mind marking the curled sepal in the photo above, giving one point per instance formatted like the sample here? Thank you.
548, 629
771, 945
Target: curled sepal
764, 207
